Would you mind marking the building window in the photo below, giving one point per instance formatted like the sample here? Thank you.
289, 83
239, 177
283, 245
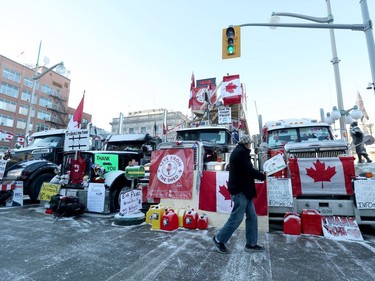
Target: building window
21, 124
12, 75
23, 109
41, 127
6, 120
8, 105
46, 89
45, 102
28, 82
9, 90
44, 115
131, 130
26, 96
143, 130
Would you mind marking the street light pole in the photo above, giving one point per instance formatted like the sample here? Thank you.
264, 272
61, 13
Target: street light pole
335, 60
35, 78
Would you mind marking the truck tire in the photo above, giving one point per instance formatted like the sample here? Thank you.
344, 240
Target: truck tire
34, 189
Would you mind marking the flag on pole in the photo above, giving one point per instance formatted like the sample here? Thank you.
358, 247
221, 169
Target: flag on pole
192, 86
231, 90
76, 120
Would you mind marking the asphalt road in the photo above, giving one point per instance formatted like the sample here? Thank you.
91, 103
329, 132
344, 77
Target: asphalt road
34, 246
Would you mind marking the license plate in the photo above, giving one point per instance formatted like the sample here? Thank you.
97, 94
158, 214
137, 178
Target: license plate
326, 211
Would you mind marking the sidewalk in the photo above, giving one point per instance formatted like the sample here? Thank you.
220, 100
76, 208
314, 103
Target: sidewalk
34, 246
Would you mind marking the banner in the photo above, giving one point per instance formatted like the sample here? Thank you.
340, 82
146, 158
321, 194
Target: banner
341, 228
171, 174
199, 95
215, 197
322, 176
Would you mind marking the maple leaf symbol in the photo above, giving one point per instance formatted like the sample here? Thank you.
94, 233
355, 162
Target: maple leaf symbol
230, 88
321, 173
224, 191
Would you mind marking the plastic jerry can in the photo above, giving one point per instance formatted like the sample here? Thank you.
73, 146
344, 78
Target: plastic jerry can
311, 221
169, 220
156, 216
202, 222
190, 219
292, 223
181, 213
149, 213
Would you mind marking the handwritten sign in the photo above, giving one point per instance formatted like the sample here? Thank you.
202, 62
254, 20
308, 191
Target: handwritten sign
108, 161
77, 140
96, 197
341, 228
274, 164
224, 115
131, 201
3, 163
365, 194
279, 192
48, 190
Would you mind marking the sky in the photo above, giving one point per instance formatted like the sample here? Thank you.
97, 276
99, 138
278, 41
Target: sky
136, 55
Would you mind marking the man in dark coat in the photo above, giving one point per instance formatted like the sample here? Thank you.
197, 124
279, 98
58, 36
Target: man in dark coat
358, 141
241, 186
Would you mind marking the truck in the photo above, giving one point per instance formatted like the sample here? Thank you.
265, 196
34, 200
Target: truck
320, 169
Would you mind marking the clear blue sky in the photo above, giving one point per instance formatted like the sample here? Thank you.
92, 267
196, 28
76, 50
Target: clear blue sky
133, 55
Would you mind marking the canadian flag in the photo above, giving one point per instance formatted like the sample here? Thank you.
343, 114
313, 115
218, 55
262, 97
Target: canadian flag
76, 120
192, 86
21, 140
231, 90
215, 197
322, 176
9, 136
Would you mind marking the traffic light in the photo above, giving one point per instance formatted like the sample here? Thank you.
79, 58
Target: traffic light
231, 42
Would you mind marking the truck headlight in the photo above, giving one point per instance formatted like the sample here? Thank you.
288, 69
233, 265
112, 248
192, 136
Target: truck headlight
14, 174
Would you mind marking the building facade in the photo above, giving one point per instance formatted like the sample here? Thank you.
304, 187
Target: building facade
49, 104
149, 121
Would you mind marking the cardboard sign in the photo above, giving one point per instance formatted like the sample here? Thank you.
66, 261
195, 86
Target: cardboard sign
48, 190
96, 197
341, 228
3, 163
274, 164
279, 192
365, 194
131, 201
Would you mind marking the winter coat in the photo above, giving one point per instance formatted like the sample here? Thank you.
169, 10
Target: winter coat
242, 174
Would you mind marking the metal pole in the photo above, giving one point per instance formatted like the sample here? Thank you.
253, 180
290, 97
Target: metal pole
27, 130
335, 62
369, 38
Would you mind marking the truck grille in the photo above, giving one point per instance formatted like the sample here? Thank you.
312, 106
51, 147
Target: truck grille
317, 154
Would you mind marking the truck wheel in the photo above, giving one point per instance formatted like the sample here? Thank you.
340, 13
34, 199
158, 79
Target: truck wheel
37, 184
115, 199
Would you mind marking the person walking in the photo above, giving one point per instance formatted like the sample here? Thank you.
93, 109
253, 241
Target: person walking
358, 141
241, 186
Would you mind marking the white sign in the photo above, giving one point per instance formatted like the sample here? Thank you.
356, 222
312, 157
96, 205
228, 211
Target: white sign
224, 115
17, 198
96, 197
279, 192
274, 164
131, 201
365, 194
3, 163
77, 140
341, 228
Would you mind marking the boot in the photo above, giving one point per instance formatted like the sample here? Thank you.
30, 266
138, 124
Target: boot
367, 158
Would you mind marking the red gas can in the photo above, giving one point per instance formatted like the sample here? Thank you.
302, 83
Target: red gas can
292, 223
169, 220
311, 222
202, 222
190, 219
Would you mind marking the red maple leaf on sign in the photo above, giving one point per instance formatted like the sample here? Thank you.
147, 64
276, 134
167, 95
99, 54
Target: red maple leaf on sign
230, 88
320, 173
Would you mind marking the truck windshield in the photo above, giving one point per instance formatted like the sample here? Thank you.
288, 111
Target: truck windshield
214, 136
278, 138
47, 141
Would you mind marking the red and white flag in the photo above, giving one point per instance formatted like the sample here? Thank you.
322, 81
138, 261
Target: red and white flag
76, 120
21, 140
213, 193
322, 176
9, 136
192, 86
231, 90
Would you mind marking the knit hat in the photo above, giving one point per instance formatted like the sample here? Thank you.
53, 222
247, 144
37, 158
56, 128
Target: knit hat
244, 139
